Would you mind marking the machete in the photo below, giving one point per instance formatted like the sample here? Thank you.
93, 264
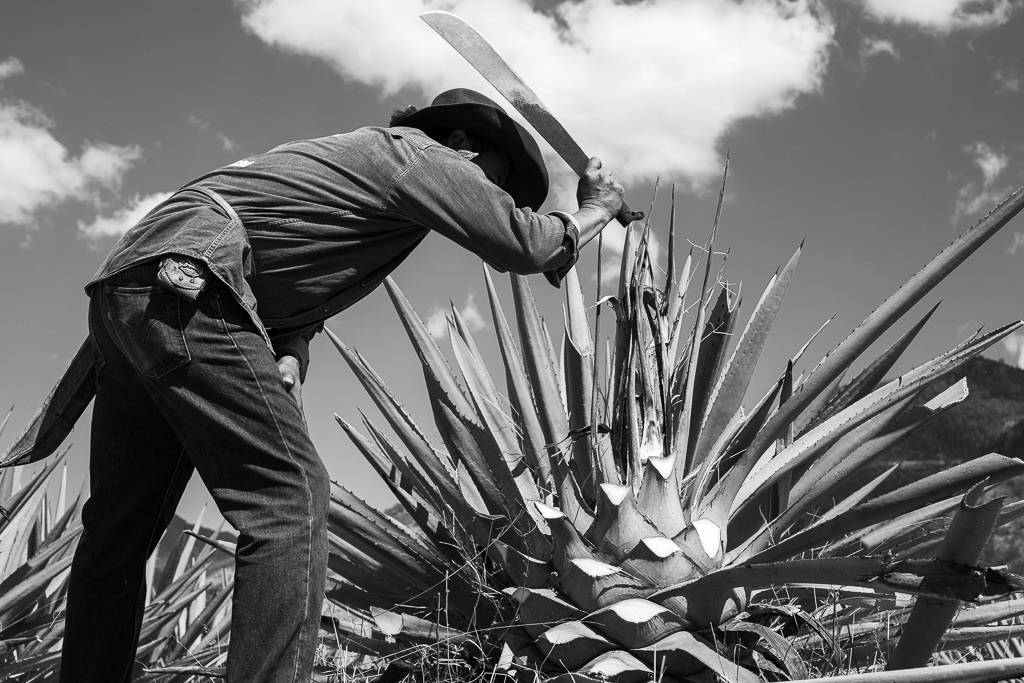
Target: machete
468, 42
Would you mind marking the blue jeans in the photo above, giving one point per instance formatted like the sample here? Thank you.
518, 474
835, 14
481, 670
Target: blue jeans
185, 385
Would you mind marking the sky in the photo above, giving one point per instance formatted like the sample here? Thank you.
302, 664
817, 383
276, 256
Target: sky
876, 130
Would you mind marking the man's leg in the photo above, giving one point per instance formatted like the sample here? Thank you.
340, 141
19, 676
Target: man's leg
248, 441
137, 473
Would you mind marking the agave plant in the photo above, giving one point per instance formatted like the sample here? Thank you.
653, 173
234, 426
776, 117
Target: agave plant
187, 615
631, 518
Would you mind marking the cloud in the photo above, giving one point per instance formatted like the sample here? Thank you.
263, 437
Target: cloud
11, 67
121, 220
437, 321
615, 242
1018, 242
873, 47
975, 196
227, 143
942, 16
1008, 80
1014, 345
674, 76
37, 171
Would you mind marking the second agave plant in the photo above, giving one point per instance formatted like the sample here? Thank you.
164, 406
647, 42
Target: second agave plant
632, 515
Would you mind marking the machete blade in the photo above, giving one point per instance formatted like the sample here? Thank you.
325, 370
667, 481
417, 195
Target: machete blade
468, 42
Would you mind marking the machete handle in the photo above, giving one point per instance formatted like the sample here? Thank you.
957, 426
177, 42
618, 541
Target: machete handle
628, 215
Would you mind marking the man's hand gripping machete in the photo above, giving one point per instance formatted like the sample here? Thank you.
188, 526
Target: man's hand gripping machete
468, 42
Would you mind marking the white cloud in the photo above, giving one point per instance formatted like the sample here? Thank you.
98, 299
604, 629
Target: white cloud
123, 219
1008, 80
873, 47
975, 196
673, 75
990, 162
437, 322
37, 171
1014, 345
10, 67
227, 143
1018, 242
942, 16
615, 242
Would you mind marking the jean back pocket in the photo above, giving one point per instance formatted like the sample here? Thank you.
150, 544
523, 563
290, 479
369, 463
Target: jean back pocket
147, 323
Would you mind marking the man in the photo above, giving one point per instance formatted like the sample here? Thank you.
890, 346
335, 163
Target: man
192, 373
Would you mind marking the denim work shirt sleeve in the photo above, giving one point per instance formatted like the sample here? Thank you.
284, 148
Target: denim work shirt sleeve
446, 192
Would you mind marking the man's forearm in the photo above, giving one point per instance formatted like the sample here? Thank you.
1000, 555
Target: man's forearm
592, 220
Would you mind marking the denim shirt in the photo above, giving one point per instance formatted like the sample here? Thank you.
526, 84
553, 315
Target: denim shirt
324, 221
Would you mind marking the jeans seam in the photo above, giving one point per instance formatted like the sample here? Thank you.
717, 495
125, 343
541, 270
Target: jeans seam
305, 480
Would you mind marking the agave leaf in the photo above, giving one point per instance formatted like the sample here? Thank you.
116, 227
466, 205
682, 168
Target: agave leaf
435, 369
475, 451
520, 396
514, 478
17, 530
933, 488
779, 646
591, 458
876, 538
677, 308
436, 465
963, 638
988, 614
406, 467
664, 655
365, 587
524, 570
453, 413
868, 331
619, 524
829, 431
22, 506
717, 330
541, 607
426, 515
972, 672
845, 456
571, 644
680, 441
414, 629
634, 623
871, 376
202, 621
729, 390
622, 306
827, 472
373, 534
16, 597
670, 268
965, 540
659, 496
189, 545
539, 362
727, 451
858, 496
649, 358
934, 578
7, 418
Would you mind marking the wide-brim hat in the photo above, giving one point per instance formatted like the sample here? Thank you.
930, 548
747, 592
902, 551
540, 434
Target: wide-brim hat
475, 113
